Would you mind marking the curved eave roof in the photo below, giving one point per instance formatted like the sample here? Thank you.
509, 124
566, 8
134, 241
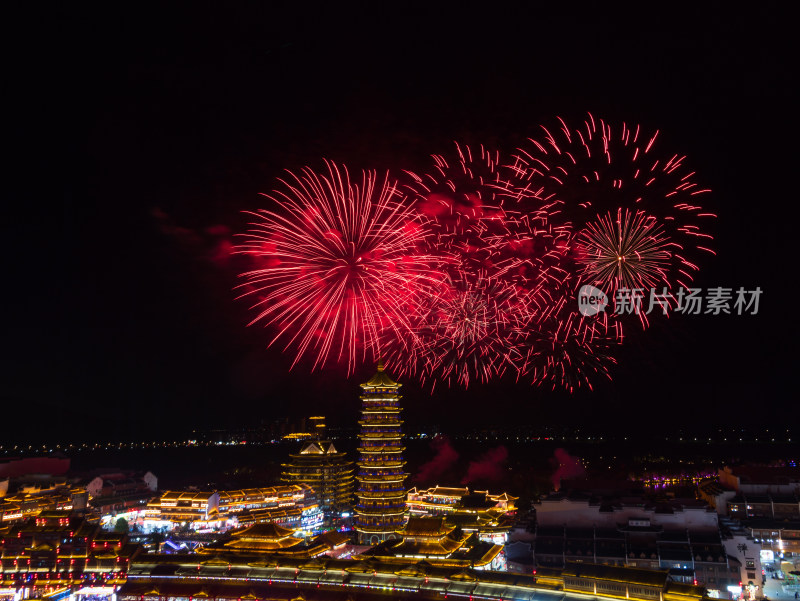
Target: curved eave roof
380, 380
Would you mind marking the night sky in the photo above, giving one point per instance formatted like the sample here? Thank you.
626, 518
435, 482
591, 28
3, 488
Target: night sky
138, 136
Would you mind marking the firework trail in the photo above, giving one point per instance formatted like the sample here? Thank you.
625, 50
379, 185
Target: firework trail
338, 262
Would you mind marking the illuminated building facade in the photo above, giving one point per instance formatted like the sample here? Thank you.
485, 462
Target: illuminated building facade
173, 508
21, 506
56, 551
430, 538
322, 467
272, 498
490, 516
380, 511
292, 506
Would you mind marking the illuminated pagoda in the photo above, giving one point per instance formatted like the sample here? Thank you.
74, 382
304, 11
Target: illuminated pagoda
322, 467
381, 494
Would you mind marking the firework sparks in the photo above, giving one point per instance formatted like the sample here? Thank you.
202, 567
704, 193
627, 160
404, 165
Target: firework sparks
626, 251
466, 331
568, 350
471, 270
337, 264
597, 169
500, 254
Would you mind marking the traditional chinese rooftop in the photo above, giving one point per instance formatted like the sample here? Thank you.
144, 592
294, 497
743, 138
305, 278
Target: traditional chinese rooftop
260, 539
445, 491
616, 574
428, 528
380, 380
319, 447
263, 537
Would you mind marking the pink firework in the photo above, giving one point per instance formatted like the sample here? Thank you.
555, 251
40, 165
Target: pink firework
502, 255
338, 263
595, 170
567, 350
467, 330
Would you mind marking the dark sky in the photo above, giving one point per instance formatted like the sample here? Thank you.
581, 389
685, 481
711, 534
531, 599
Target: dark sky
139, 135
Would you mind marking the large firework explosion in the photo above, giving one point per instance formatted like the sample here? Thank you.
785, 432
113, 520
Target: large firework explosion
566, 349
626, 250
597, 170
337, 263
470, 270
466, 330
501, 255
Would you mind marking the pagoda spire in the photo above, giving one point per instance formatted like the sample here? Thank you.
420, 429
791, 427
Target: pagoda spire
380, 511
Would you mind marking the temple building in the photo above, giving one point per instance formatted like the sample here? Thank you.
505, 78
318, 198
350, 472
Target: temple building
489, 516
433, 540
259, 539
22, 506
380, 511
322, 467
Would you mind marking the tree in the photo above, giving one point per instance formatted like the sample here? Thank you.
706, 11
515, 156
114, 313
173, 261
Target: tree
121, 526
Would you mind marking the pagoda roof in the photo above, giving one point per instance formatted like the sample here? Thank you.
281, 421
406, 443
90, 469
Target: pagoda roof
427, 526
332, 539
273, 545
444, 548
448, 491
319, 447
263, 531
380, 380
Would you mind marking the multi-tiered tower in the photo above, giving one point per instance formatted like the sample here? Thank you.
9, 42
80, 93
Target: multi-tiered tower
380, 511
324, 469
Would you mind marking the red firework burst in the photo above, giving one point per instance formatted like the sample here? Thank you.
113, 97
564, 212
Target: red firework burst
338, 263
466, 330
597, 169
569, 350
502, 255
473, 270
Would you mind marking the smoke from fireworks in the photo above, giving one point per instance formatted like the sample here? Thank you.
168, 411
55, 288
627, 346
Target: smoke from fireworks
490, 467
443, 462
566, 467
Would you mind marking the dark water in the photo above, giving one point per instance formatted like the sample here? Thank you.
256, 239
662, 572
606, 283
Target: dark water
521, 468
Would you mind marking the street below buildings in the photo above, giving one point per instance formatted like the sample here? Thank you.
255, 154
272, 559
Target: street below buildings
775, 589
